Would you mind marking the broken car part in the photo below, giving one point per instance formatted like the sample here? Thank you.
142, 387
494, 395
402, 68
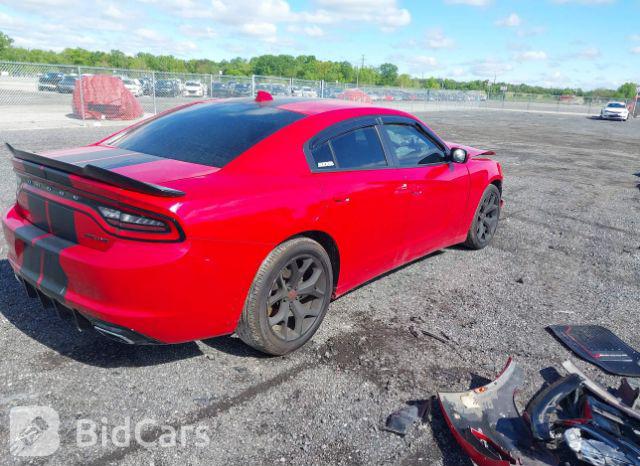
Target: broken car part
600, 392
400, 421
487, 425
543, 410
599, 449
601, 347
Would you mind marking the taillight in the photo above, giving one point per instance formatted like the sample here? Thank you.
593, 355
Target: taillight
131, 223
120, 219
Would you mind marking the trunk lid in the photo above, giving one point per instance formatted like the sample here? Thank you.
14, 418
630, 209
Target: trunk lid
136, 165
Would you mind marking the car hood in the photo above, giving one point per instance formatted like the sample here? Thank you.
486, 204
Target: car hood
471, 151
615, 110
142, 167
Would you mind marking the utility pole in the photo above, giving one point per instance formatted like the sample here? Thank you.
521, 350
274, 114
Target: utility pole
358, 73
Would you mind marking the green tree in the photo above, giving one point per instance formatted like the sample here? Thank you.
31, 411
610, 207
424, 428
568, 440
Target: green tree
5, 42
388, 74
627, 91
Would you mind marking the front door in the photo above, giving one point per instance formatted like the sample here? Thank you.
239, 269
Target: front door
438, 188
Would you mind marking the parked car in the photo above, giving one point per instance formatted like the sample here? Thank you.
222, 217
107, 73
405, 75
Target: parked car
67, 84
184, 234
133, 86
167, 88
220, 90
194, 89
147, 86
309, 92
242, 89
49, 81
615, 111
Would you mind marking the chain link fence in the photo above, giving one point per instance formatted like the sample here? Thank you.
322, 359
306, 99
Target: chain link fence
41, 95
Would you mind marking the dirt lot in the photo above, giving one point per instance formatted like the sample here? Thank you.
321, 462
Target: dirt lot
567, 250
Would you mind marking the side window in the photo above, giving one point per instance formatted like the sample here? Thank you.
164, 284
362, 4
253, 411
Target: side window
411, 147
323, 157
360, 148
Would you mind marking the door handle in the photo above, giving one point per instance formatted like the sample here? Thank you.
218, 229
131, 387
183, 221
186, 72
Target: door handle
342, 199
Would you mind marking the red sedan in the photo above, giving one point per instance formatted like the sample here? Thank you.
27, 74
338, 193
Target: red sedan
240, 216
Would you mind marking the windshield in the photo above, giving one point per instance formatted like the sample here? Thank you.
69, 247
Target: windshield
615, 105
192, 83
208, 134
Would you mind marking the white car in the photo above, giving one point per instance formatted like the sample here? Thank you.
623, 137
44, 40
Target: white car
133, 85
193, 89
615, 111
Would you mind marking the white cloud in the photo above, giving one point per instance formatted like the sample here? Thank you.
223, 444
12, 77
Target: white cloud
417, 64
199, 32
313, 31
469, 2
458, 71
636, 50
634, 37
113, 12
531, 55
437, 40
513, 20
262, 19
590, 53
260, 29
532, 31
490, 67
149, 34
424, 60
385, 13
585, 2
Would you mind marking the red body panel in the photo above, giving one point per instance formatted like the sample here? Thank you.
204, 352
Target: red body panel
233, 217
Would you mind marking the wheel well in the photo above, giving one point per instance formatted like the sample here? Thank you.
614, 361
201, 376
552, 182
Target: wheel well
329, 245
498, 184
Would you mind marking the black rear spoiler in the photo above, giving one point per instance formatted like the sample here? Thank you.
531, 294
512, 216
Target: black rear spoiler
96, 173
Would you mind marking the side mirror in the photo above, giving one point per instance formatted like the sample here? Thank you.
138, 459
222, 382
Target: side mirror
459, 155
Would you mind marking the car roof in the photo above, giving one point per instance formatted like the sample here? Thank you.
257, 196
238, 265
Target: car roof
317, 106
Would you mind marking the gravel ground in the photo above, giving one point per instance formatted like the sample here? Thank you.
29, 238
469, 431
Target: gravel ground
567, 251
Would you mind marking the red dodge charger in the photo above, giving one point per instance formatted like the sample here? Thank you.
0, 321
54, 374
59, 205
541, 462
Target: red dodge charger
243, 216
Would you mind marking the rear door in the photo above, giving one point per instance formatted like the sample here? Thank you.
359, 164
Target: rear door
366, 197
438, 188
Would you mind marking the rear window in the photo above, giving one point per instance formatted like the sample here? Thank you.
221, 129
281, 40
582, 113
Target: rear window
359, 149
209, 134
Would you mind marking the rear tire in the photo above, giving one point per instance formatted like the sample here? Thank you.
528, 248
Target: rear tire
288, 299
485, 220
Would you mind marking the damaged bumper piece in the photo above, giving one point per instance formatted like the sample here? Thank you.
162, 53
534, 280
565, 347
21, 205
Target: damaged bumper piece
487, 425
599, 346
573, 415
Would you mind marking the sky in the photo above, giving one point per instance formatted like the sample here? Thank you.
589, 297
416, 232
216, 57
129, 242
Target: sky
573, 43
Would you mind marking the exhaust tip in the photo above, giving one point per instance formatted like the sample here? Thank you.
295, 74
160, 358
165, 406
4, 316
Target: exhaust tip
113, 335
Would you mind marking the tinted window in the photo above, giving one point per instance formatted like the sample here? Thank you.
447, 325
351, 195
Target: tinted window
323, 157
209, 134
359, 149
412, 147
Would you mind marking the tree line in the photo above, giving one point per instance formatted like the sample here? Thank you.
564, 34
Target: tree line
302, 67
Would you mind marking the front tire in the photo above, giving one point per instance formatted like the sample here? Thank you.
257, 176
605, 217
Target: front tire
485, 220
288, 299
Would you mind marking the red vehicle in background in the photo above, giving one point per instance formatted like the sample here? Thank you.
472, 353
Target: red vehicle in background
240, 215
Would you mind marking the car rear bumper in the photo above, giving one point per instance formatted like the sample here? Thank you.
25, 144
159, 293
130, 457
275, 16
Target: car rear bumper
138, 291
